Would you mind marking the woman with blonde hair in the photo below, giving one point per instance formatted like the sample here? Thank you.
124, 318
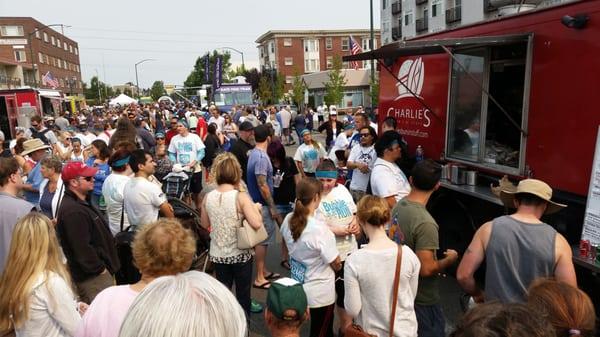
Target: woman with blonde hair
160, 248
569, 310
36, 298
314, 258
223, 210
369, 276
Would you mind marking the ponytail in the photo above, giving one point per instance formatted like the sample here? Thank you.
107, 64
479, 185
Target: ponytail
315, 144
306, 191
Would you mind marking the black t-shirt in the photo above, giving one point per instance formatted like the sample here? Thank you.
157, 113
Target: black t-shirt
286, 192
240, 150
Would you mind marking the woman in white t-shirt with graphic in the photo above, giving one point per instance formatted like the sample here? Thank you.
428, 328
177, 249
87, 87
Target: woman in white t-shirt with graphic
313, 256
337, 210
309, 155
369, 276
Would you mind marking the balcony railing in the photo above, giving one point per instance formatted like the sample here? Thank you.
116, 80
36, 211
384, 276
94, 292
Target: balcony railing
10, 81
422, 24
420, 2
453, 14
396, 7
396, 33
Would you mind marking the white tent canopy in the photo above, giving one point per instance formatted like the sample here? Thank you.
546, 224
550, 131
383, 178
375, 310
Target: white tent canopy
122, 99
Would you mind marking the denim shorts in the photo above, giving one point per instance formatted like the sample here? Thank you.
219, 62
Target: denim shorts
270, 226
284, 209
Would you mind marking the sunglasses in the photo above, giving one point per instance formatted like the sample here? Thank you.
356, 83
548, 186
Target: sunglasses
35, 125
88, 178
160, 138
364, 135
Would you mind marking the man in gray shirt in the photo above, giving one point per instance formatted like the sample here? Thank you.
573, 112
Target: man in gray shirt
12, 208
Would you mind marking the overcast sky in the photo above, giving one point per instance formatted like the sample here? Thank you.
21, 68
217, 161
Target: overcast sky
114, 35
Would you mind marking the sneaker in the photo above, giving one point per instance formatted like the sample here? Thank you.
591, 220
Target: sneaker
255, 307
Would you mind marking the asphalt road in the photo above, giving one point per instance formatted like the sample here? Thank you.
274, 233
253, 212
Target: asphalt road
450, 291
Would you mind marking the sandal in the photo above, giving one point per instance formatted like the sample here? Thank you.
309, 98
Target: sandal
272, 276
266, 285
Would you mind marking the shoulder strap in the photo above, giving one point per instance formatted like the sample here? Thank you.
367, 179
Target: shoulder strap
395, 291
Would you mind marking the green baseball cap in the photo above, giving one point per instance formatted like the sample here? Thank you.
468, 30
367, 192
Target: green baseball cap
286, 299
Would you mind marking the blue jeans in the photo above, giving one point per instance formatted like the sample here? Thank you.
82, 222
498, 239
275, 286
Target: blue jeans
284, 209
431, 320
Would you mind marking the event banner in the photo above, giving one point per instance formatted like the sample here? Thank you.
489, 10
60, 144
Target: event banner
207, 68
218, 72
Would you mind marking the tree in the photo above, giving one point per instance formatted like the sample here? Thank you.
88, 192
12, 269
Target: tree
97, 90
158, 89
197, 77
298, 89
252, 77
118, 92
374, 91
263, 91
334, 88
127, 92
279, 81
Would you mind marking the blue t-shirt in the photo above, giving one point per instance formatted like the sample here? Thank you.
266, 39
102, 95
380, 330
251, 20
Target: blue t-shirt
259, 164
34, 178
101, 174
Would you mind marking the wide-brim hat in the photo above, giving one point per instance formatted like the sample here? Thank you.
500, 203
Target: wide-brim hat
535, 187
32, 145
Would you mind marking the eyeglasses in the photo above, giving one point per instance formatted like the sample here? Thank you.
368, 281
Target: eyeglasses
35, 125
160, 138
364, 135
88, 178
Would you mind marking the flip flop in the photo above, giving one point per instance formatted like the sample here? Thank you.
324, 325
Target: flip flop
285, 264
272, 276
266, 285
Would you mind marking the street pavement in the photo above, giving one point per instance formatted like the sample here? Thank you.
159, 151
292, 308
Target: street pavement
450, 291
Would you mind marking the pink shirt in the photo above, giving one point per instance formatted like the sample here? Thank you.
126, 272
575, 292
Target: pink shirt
106, 313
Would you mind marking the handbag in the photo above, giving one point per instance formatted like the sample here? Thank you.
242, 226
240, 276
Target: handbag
356, 330
248, 237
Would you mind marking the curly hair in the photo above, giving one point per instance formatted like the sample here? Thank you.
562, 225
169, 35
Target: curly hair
163, 247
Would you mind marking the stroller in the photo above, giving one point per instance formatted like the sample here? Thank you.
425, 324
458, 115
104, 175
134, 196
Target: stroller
190, 219
177, 183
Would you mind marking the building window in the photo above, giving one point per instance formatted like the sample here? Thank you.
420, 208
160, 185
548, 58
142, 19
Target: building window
328, 43
311, 65
71, 48
53, 40
384, 4
311, 45
76, 51
272, 47
408, 17
46, 59
66, 46
345, 43
435, 9
345, 65
12, 30
58, 43
20, 56
289, 61
329, 62
365, 44
77, 68
41, 57
287, 42
38, 34
289, 79
45, 37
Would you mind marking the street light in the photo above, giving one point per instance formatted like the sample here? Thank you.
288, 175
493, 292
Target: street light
31, 47
240, 52
137, 84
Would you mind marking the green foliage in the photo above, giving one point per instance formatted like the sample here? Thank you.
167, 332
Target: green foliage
334, 88
263, 91
252, 77
97, 90
127, 92
298, 89
374, 90
196, 78
157, 90
118, 92
279, 88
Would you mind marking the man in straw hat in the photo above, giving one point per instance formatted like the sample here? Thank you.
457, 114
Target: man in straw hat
518, 248
37, 150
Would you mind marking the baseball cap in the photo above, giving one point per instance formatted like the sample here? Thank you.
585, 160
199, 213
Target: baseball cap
246, 126
76, 169
286, 299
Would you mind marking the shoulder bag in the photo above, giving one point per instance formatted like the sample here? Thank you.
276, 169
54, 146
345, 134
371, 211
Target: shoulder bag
248, 237
128, 273
356, 330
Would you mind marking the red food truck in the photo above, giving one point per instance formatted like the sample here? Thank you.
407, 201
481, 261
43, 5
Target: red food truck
515, 96
17, 106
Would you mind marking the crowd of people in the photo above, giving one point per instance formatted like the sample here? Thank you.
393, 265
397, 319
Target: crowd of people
358, 242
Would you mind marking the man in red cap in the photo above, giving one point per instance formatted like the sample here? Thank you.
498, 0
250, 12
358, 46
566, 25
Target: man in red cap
84, 236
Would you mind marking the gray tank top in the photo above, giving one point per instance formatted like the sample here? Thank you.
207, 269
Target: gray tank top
517, 253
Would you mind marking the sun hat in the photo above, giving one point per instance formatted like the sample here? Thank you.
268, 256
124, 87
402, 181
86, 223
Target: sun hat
286, 299
535, 187
75, 169
32, 145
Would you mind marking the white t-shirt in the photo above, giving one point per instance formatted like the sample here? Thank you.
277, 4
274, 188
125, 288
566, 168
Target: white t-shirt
142, 201
388, 180
341, 143
337, 209
186, 148
363, 155
368, 282
310, 257
112, 190
105, 135
286, 118
220, 121
374, 126
310, 156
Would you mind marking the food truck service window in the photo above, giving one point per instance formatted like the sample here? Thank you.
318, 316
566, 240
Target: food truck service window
480, 130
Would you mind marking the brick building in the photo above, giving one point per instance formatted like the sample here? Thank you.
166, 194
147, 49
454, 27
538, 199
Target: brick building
53, 54
308, 51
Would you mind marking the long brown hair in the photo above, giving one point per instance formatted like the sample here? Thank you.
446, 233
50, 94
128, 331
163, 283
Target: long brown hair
34, 252
568, 309
306, 190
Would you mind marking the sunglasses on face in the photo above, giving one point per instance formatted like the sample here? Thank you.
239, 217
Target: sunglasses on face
362, 135
88, 178
35, 125
160, 138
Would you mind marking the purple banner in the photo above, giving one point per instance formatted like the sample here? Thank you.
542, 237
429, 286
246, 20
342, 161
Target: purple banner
218, 72
207, 68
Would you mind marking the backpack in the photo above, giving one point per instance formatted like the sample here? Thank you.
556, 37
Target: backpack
40, 135
128, 274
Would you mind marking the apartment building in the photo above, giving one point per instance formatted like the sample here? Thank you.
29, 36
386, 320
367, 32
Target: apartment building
308, 51
54, 55
405, 19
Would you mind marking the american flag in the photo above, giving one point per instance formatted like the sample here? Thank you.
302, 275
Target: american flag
49, 80
354, 49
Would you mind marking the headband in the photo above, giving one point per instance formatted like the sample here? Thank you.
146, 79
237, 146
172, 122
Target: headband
121, 162
326, 174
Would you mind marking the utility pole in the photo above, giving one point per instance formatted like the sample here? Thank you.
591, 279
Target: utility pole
137, 83
371, 47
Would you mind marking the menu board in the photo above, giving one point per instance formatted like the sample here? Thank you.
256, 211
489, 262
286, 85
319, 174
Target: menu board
591, 222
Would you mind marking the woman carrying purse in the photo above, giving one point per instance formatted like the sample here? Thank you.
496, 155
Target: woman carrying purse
223, 211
